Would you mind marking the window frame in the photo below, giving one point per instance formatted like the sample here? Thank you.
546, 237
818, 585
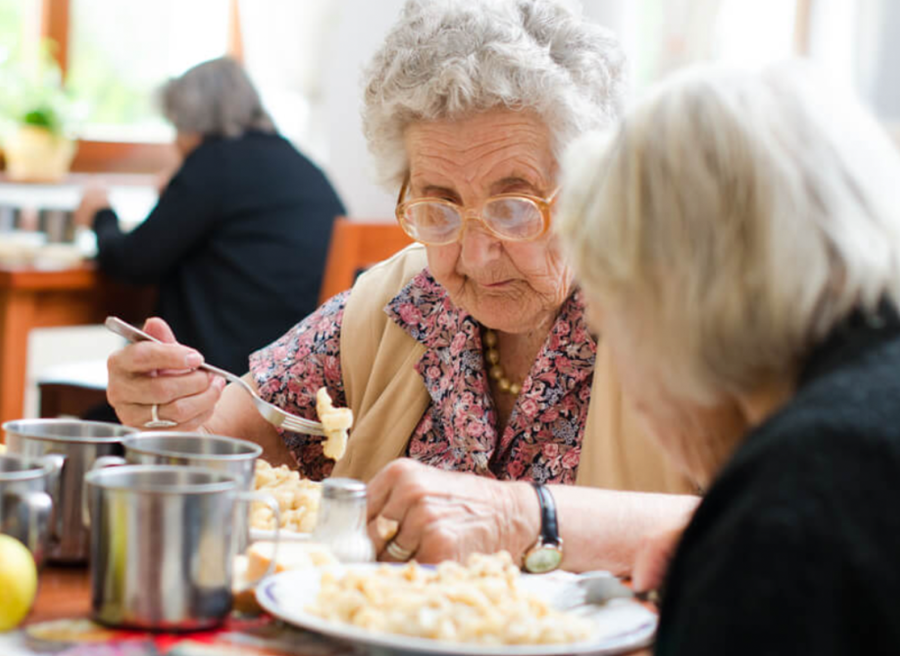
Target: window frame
144, 157
116, 156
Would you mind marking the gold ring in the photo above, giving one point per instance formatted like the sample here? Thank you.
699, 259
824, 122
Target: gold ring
397, 552
156, 422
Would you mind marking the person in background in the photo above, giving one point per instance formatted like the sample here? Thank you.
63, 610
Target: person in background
738, 241
238, 239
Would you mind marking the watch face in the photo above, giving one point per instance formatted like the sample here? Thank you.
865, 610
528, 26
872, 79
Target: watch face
543, 559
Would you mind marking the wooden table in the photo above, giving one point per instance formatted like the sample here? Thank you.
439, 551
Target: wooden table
31, 298
65, 593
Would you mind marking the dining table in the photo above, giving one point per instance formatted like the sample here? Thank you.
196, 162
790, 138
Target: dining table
35, 295
32, 297
59, 623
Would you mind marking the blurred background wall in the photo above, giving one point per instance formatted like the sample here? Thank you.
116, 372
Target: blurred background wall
307, 56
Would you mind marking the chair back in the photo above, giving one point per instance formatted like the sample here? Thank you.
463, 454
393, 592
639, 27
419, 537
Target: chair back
355, 246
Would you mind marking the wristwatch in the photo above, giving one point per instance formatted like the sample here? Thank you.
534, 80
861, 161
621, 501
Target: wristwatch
547, 553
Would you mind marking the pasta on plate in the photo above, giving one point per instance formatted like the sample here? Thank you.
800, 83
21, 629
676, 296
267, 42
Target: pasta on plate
481, 602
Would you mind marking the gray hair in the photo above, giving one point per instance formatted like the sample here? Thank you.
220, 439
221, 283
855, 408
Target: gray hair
445, 59
733, 220
215, 98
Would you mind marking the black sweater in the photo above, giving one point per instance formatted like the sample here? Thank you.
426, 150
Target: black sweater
236, 244
796, 547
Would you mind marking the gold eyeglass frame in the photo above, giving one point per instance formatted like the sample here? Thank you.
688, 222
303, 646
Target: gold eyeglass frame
544, 205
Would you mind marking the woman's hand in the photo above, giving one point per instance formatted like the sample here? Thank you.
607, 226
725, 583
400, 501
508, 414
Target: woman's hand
447, 516
94, 199
653, 557
145, 373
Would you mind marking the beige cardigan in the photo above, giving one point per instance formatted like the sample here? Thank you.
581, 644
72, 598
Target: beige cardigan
388, 396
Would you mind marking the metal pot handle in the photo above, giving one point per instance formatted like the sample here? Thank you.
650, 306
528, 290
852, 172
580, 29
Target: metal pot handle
272, 502
56, 462
100, 463
38, 509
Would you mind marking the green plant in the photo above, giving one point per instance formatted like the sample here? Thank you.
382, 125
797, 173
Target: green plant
34, 93
44, 117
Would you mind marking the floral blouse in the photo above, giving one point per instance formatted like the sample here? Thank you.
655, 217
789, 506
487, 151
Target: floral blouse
542, 439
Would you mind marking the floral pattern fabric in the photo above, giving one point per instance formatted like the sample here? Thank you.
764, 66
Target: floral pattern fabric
542, 439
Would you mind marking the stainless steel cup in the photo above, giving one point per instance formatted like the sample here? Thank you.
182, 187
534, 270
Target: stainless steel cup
215, 452
25, 502
163, 545
9, 218
79, 443
57, 224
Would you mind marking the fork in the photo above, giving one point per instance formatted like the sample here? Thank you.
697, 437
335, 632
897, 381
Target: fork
597, 588
271, 413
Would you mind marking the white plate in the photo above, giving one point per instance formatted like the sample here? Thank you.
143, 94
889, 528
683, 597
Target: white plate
621, 625
260, 535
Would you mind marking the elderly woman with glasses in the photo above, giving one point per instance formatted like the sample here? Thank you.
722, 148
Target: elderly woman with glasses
465, 358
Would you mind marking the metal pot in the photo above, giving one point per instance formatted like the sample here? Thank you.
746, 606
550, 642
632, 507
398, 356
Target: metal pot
163, 545
58, 225
79, 443
215, 452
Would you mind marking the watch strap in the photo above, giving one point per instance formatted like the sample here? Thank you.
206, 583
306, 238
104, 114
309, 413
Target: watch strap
549, 524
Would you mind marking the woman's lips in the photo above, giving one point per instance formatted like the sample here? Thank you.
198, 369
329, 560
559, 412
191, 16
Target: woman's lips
496, 285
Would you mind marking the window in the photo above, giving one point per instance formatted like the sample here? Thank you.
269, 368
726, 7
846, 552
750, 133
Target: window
119, 53
19, 52
19, 27
665, 35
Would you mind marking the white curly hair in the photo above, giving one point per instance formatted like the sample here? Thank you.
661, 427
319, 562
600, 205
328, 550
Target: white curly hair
445, 59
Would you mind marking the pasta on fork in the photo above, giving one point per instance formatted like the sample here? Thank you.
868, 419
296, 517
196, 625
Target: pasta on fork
336, 422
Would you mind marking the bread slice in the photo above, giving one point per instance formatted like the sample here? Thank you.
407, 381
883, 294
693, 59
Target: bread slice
250, 568
291, 556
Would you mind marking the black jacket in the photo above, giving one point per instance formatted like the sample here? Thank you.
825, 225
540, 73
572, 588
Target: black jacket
237, 245
796, 547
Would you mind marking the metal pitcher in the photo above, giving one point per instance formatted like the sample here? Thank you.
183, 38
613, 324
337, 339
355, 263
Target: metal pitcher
25, 501
163, 545
79, 443
216, 452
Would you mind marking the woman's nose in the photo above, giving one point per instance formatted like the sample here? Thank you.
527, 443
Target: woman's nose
478, 246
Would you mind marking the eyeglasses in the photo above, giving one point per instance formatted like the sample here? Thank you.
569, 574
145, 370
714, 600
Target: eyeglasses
511, 217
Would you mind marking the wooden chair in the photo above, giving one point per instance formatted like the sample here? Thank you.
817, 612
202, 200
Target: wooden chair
71, 390
355, 246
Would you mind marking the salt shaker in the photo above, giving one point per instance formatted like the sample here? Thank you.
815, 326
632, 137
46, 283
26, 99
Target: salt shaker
342, 521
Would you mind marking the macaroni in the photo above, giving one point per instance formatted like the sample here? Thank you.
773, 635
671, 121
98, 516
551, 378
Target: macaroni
297, 498
336, 422
481, 602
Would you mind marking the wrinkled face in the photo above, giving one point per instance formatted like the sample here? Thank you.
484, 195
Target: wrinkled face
696, 438
509, 286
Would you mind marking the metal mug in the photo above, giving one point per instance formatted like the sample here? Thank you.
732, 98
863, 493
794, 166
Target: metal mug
25, 501
57, 224
9, 218
163, 545
79, 443
215, 452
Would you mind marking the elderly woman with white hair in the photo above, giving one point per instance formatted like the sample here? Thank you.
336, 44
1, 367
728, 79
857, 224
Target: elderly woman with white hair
738, 240
466, 358
239, 231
